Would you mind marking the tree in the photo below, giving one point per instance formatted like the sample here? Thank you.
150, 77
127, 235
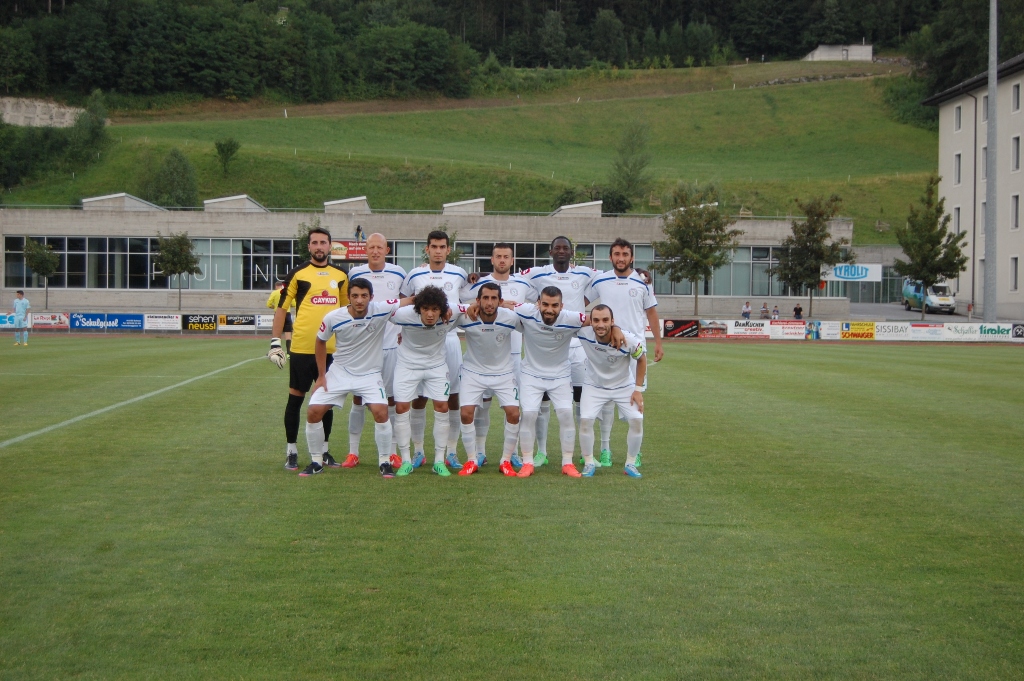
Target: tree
810, 246
177, 256
698, 238
830, 28
552, 38
629, 173
17, 60
302, 238
43, 262
933, 253
226, 150
174, 185
609, 40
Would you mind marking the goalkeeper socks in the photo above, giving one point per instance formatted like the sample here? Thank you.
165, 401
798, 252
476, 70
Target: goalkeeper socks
634, 438
587, 440
441, 428
607, 419
288, 345
382, 433
418, 422
454, 422
482, 423
566, 434
356, 419
543, 419
328, 422
511, 439
315, 442
402, 430
291, 417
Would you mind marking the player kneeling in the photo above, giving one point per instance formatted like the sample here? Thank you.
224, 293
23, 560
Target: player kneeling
609, 380
356, 370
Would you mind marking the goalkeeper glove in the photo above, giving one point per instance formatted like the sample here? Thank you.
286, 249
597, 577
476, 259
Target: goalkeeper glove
276, 354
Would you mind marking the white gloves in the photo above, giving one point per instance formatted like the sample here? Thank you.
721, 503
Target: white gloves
276, 354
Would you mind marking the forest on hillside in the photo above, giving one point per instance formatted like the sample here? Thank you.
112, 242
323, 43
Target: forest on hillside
321, 50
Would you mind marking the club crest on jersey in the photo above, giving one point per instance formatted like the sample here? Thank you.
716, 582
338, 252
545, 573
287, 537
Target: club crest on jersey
633, 293
499, 337
559, 336
447, 286
333, 284
324, 298
391, 285
576, 284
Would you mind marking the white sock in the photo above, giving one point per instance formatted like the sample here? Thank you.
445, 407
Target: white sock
634, 438
383, 434
391, 418
454, 428
511, 439
576, 410
315, 441
293, 448
482, 422
418, 422
566, 434
468, 431
607, 419
402, 430
527, 435
441, 428
543, 419
356, 418
587, 439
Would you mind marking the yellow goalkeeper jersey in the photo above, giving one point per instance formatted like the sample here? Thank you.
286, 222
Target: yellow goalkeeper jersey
314, 291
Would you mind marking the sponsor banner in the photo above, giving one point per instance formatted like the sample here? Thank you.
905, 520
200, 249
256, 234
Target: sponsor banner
650, 334
830, 330
681, 328
1017, 333
199, 322
162, 322
100, 320
788, 329
977, 332
893, 331
857, 331
6, 321
50, 320
265, 321
236, 322
922, 331
713, 328
350, 250
748, 328
125, 321
849, 272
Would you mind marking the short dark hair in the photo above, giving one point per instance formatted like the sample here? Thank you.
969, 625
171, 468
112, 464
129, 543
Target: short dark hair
430, 296
602, 306
503, 245
551, 292
621, 243
438, 235
20, 291
317, 230
490, 286
362, 283
567, 239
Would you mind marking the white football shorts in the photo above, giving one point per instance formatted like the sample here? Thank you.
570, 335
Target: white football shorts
341, 384
453, 357
595, 398
532, 389
475, 388
388, 370
410, 383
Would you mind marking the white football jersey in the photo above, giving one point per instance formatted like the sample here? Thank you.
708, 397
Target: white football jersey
516, 288
628, 297
359, 348
488, 344
451, 279
573, 283
387, 284
547, 347
607, 366
423, 347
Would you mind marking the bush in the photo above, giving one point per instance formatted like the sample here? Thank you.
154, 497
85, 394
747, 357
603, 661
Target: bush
903, 95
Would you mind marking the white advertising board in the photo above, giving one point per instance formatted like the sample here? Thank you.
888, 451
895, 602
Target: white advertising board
162, 322
892, 331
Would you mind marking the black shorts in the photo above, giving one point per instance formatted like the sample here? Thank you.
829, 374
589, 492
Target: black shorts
287, 323
302, 371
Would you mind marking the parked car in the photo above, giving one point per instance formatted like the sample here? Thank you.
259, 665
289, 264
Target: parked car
939, 299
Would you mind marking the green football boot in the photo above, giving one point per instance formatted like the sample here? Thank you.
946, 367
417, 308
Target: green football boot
638, 455
405, 469
605, 459
442, 470
540, 459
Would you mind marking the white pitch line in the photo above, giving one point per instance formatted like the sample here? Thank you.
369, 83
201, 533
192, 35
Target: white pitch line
104, 410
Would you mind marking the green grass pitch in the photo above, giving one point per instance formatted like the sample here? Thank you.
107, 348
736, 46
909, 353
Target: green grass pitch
807, 511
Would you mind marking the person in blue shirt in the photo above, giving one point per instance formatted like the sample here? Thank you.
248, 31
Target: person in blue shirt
21, 308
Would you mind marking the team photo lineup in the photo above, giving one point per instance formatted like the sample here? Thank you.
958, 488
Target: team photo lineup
389, 339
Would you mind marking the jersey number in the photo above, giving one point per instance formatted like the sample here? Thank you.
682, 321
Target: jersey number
447, 387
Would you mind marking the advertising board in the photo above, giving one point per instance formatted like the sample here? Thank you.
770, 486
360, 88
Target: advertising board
199, 322
787, 329
748, 328
121, 322
893, 331
851, 272
105, 321
50, 320
713, 328
236, 322
924, 331
681, 328
348, 250
162, 322
265, 321
1017, 334
857, 331
830, 330
977, 332
6, 321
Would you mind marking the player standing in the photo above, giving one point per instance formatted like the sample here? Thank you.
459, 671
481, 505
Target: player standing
450, 279
487, 368
422, 369
21, 308
612, 379
359, 330
635, 308
387, 282
315, 288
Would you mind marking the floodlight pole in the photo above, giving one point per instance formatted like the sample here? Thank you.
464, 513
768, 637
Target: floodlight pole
991, 208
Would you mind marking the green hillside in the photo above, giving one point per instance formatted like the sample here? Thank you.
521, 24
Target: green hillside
765, 145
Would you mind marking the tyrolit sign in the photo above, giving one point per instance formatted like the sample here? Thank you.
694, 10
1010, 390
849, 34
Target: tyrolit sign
849, 272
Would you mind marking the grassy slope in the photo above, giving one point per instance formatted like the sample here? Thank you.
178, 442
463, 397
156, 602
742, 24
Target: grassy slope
766, 146
782, 529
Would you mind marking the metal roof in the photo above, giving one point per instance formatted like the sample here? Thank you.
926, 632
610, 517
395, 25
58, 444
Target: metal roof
1007, 68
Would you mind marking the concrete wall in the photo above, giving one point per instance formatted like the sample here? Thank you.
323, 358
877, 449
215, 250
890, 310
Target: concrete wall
841, 53
38, 113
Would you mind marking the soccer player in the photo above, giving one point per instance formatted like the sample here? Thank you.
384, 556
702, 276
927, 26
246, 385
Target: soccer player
547, 330
422, 369
518, 290
611, 378
21, 308
450, 279
359, 329
635, 308
272, 303
387, 282
487, 368
315, 288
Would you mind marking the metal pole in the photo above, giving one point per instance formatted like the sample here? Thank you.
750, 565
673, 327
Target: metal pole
991, 208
